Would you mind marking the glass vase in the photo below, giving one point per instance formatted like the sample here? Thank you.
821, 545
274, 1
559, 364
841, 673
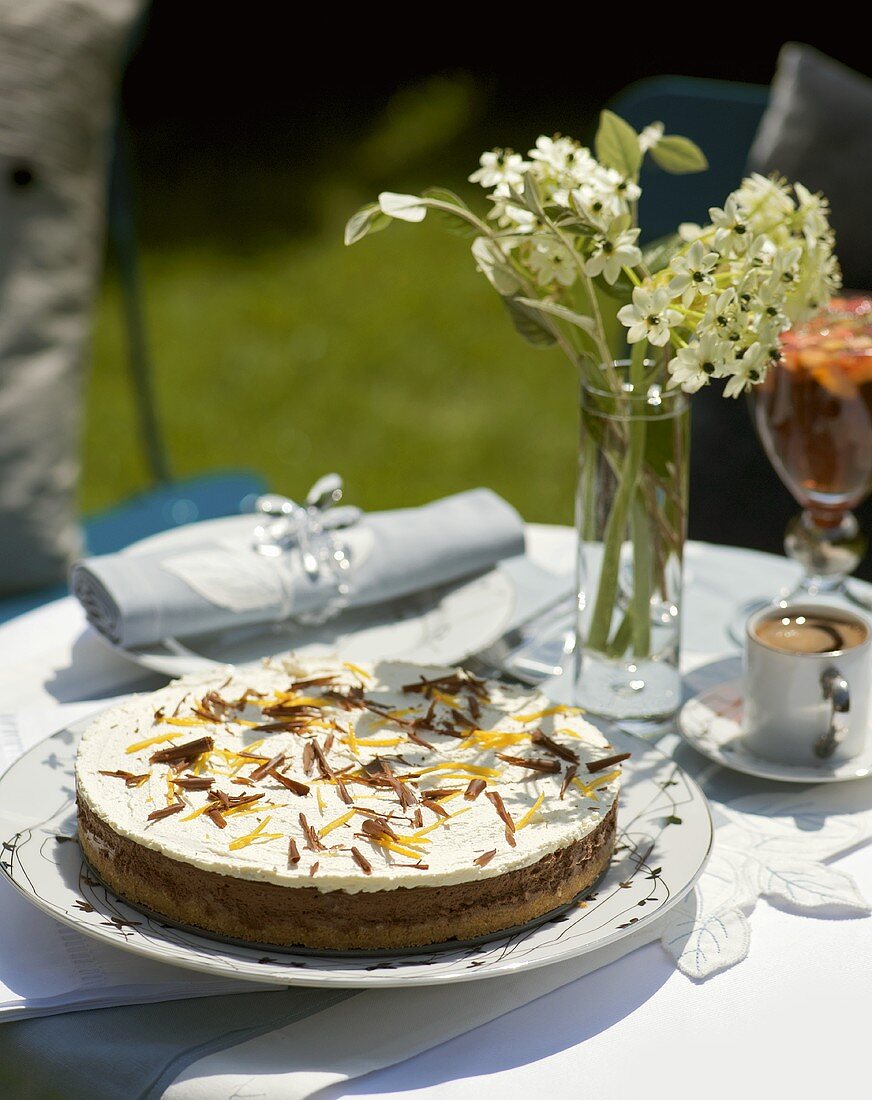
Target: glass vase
631, 519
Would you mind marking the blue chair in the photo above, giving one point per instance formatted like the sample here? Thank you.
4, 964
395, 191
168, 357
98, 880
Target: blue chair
721, 117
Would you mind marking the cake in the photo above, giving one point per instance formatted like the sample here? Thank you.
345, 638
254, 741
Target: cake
332, 805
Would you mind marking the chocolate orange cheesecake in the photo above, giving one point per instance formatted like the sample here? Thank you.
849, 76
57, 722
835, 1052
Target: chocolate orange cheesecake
338, 806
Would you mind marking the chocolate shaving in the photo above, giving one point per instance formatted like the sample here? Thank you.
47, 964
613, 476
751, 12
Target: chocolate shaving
194, 782
361, 861
607, 762
291, 784
252, 755
540, 738
342, 791
435, 807
415, 866
293, 852
568, 777
313, 842
263, 771
377, 827
130, 780
510, 836
215, 815
484, 859
328, 742
476, 786
166, 811
405, 795
500, 806
308, 758
189, 751
534, 764
350, 698
321, 760
417, 819
313, 681
440, 792
313, 869
281, 727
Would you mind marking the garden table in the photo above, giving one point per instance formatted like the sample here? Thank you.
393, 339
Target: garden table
790, 1018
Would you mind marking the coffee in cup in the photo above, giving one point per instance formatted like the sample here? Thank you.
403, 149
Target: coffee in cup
808, 674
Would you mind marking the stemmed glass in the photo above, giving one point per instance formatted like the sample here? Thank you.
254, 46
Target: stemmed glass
813, 414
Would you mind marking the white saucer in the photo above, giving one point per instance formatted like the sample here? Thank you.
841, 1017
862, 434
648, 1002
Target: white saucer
711, 722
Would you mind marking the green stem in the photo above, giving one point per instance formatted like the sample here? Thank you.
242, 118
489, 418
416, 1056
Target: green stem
642, 561
616, 525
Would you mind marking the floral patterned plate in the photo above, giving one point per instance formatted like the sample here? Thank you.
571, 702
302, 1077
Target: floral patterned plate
664, 839
711, 722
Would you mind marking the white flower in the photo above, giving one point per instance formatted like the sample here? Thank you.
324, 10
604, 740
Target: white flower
622, 187
596, 204
649, 317
694, 365
765, 202
614, 250
557, 153
730, 228
746, 369
500, 166
651, 136
693, 272
551, 262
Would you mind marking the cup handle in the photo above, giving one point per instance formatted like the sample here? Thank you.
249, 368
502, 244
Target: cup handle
834, 687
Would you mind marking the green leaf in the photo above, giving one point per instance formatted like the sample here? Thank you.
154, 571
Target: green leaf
617, 145
557, 310
532, 199
408, 208
528, 324
454, 223
368, 219
493, 264
657, 254
679, 155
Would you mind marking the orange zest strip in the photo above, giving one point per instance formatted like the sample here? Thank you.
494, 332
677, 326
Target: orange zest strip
335, 823
439, 822
256, 834
598, 781
400, 849
531, 813
534, 716
139, 745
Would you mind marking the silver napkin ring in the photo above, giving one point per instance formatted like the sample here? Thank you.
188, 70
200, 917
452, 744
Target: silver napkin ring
308, 530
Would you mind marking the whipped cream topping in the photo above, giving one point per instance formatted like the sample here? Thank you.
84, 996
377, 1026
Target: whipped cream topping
389, 755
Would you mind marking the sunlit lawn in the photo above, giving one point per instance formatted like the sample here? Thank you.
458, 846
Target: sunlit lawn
391, 362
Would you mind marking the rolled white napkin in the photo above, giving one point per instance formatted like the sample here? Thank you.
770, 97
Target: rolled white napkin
194, 586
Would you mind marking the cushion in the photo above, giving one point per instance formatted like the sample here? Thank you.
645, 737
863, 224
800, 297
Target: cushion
817, 129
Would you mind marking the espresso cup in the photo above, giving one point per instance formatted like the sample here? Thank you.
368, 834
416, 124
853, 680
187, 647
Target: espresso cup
810, 705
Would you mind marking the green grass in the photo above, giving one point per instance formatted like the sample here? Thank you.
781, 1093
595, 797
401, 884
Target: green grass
392, 362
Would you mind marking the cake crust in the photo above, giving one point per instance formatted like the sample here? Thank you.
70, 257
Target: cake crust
263, 912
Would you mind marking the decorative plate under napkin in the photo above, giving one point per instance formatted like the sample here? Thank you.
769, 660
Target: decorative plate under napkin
664, 839
711, 722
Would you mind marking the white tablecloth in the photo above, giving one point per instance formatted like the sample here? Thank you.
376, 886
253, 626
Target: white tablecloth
791, 1019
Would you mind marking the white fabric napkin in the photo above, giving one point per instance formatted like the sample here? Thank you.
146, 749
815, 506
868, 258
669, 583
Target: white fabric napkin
207, 577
